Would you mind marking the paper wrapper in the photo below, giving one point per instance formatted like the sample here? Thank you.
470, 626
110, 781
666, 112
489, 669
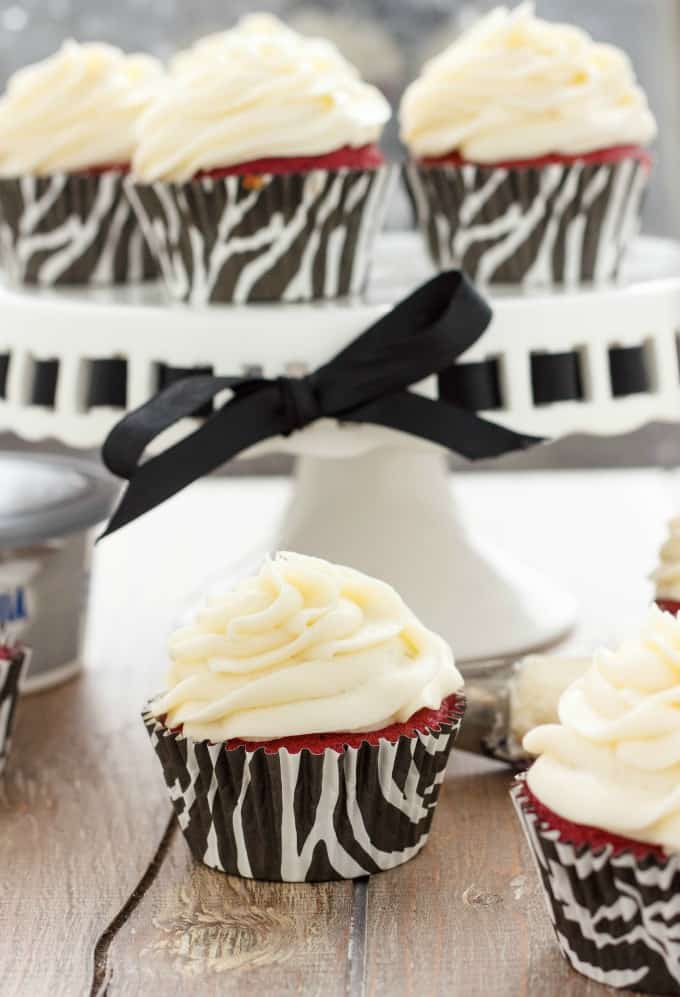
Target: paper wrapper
297, 817
12, 671
71, 229
615, 915
561, 223
265, 237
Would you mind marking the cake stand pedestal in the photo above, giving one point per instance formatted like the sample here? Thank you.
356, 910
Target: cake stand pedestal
73, 362
390, 513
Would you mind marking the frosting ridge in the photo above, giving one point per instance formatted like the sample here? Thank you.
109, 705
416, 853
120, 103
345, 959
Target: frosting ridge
305, 647
667, 574
75, 110
613, 761
516, 87
255, 92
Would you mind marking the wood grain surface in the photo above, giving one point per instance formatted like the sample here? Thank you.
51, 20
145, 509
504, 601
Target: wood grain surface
81, 816
98, 892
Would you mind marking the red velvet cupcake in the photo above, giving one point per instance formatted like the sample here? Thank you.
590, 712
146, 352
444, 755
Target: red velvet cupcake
13, 663
528, 162
612, 900
65, 216
366, 157
600, 807
312, 808
668, 605
257, 175
666, 576
264, 784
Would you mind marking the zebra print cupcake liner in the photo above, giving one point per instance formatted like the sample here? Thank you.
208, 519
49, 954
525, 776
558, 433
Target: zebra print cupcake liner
615, 915
266, 237
305, 817
562, 223
71, 229
12, 671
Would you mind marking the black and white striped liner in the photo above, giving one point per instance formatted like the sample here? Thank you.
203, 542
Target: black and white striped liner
71, 229
11, 672
616, 916
534, 226
296, 817
269, 237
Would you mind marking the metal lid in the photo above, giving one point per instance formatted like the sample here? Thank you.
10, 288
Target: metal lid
43, 497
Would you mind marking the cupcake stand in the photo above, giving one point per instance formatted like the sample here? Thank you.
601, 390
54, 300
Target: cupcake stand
601, 361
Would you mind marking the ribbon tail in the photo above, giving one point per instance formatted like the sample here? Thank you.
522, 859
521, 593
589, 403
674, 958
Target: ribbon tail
127, 441
458, 430
422, 335
240, 424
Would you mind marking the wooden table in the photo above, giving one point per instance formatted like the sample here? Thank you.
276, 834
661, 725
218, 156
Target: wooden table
99, 894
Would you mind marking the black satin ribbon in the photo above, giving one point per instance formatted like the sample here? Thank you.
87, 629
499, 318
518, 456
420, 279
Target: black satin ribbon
367, 382
4, 371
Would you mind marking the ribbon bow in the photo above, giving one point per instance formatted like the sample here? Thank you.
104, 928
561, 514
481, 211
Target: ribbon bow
366, 382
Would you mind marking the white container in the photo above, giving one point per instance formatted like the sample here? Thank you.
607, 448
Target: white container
48, 507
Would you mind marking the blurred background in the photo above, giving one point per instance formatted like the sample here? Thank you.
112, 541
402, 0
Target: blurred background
389, 40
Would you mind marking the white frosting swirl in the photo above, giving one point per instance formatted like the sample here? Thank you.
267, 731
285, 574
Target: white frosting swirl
76, 110
613, 762
305, 647
667, 575
257, 91
516, 87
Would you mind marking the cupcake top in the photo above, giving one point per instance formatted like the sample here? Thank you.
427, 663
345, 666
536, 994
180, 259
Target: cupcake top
613, 761
666, 577
306, 647
515, 87
258, 91
75, 111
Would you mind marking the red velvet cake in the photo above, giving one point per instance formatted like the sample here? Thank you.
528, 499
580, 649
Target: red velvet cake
668, 606
614, 154
424, 721
368, 157
594, 838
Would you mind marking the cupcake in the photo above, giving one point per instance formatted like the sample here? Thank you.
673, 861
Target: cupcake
527, 144
666, 577
306, 725
13, 661
257, 176
601, 812
67, 133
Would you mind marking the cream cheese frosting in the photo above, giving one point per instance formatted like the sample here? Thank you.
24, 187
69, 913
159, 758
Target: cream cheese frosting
535, 688
258, 91
75, 110
666, 576
613, 761
516, 87
305, 647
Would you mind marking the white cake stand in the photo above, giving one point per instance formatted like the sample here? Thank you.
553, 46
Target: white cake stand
371, 497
